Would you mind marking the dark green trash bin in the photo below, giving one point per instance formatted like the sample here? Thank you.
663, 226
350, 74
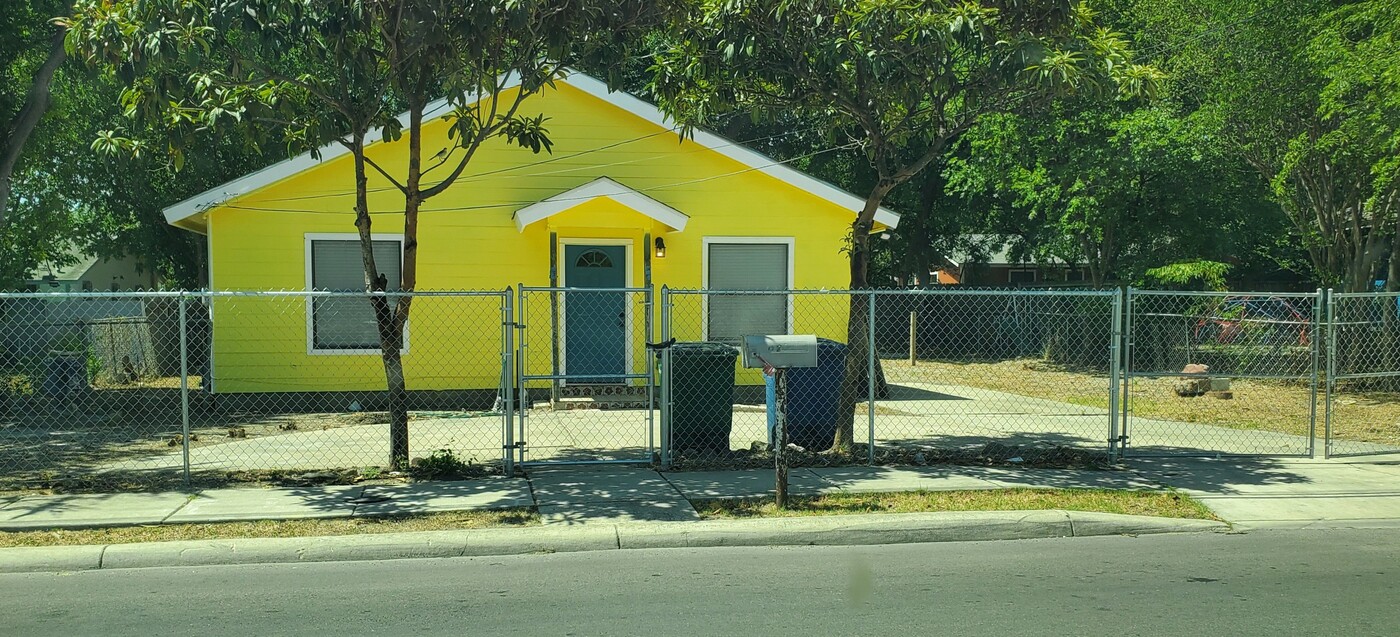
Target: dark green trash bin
702, 396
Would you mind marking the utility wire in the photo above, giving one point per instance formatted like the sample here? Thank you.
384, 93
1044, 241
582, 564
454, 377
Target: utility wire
510, 205
498, 172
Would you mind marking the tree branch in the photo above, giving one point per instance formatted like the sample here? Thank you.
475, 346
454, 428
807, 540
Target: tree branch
35, 104
372, 164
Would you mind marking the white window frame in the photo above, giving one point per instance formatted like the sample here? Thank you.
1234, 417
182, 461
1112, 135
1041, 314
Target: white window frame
1035, 277
705, 243
311, 348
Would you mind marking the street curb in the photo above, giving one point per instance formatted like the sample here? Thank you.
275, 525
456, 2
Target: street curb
1315, 525
798, 531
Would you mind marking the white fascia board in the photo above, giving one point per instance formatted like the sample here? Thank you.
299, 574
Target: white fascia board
728, 148
281, 170
601, 187
592, 86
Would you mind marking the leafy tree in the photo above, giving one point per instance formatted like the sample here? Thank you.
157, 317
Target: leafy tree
1304, 93
65, 199
23, 25
305, 73
1118, 186
1356, 50
896, 79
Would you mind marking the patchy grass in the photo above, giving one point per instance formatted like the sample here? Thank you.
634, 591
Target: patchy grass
1167, 504
1256, 404
125, 440
274, 528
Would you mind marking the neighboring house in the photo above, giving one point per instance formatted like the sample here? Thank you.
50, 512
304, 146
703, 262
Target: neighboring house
90, 273
622, 201
31, 327
1000, 269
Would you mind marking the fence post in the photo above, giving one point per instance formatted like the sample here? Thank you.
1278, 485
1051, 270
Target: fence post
520, 445
665, 379
1115, 368
1316, 346
649, 359
1126, 363
508, 382
1331, 375
184, 391
870, 378
914, 336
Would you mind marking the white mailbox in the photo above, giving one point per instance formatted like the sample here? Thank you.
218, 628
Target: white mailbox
781, 351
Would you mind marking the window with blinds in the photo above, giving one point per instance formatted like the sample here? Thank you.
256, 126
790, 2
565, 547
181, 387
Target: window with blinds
347, 322
746, 266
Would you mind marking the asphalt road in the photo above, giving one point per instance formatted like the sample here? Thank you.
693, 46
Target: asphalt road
1263, 583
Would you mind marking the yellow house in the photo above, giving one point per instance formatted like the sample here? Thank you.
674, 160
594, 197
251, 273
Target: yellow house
621, 202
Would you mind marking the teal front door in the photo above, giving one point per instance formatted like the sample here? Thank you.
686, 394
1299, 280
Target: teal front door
595, 323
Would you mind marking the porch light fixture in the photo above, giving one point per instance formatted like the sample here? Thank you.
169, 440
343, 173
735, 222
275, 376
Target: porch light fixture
660, 248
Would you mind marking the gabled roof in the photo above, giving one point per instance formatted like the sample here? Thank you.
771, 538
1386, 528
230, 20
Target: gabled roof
82, 262
601, 188
180, 212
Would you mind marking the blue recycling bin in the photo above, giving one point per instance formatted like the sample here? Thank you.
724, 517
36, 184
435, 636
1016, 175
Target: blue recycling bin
813, 398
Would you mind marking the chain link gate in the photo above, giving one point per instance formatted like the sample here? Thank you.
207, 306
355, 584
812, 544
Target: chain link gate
1025, 377
585, 377
1221, 373
1363, 374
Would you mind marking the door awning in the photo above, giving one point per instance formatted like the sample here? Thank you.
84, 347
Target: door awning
601, 188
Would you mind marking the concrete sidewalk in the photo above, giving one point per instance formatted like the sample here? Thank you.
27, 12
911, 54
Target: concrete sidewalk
1286, 493
564, 495
1247, 492
844, 530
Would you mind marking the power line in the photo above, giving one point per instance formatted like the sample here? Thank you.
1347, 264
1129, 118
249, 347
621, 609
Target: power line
513, 205
475, 176
498, 172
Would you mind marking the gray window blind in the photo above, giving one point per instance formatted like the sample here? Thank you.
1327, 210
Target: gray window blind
747, 266
336, 265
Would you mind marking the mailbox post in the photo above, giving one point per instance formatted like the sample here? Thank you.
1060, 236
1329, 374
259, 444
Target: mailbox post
774, 354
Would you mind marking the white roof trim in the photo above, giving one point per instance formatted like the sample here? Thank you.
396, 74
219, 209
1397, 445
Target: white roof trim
215, 196
601, 187
763, 163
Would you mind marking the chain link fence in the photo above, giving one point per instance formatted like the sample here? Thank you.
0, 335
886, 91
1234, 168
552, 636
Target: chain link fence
586, 376
153, 390
1221, 373
903, 377
1363, 373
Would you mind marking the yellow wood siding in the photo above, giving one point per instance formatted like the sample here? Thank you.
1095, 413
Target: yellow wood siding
468, 241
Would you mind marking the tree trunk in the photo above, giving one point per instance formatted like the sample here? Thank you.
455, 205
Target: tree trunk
855, 385
398, 319
19, 130
390, 330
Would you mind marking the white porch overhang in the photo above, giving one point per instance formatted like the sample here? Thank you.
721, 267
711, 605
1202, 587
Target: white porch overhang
601, 188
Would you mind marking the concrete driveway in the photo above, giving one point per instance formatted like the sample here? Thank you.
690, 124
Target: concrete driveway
938, 415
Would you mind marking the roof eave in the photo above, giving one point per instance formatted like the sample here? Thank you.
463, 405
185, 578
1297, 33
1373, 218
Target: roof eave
636, 106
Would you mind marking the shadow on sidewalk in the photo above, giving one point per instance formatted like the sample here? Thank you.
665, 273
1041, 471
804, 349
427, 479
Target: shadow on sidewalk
1226, 475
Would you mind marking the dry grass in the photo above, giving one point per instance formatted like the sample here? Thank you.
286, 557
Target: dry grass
1154, 503
1257, 404
152, 382
274, 528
